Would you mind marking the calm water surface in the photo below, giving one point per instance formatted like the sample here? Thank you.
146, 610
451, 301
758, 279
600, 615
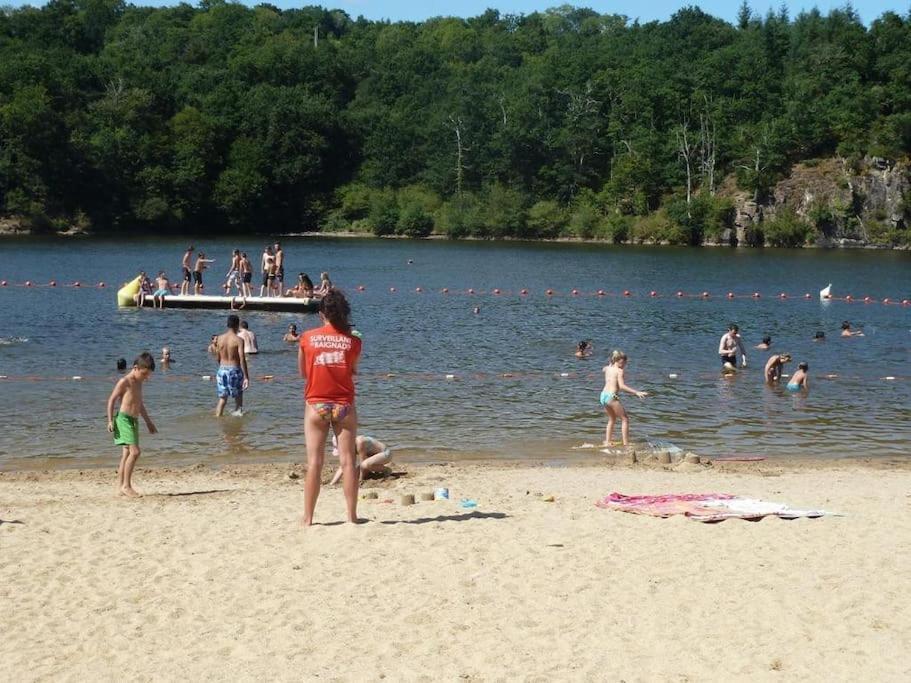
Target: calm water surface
517, 392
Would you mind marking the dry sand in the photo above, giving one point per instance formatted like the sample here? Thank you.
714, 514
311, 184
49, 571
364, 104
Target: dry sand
209, 577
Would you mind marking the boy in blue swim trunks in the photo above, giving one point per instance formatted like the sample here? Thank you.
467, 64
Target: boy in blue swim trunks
610, 397
124, 424
799, 380
232, 378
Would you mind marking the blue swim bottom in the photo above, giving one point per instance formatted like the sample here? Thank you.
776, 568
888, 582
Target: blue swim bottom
793, 387
229, 381
608, 396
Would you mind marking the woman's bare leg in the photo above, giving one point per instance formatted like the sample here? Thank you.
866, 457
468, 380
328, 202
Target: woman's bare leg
315, 430
346, 432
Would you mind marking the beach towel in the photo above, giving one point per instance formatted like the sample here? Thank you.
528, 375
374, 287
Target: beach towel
704, 507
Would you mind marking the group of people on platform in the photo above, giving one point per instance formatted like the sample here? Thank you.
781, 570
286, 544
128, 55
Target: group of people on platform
239, 278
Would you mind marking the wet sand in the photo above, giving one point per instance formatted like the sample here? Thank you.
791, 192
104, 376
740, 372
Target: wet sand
209, 576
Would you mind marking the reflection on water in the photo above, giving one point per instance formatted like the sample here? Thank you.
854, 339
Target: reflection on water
516, 391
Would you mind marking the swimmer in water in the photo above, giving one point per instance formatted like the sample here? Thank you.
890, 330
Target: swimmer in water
583, 349
610, 397
774, 367
291, 336
846, 330
727, 348
372, 456
765, 343
800, 379
819, 336
121, 365
166, 358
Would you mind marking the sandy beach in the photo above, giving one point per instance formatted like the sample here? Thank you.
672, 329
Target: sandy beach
210, 577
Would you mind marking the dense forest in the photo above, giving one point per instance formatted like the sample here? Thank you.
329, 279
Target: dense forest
223, 117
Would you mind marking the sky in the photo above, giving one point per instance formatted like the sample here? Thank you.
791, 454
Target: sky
397, 10
419, 10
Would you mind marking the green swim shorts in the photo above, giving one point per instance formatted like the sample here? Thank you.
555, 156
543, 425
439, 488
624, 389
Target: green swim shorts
126, 430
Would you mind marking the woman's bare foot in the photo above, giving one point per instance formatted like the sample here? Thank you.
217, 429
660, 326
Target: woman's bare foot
129, 492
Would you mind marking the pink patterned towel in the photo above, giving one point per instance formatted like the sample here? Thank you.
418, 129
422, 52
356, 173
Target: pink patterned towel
703, 507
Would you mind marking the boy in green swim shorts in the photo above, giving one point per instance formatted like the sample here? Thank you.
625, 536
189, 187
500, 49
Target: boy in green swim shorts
124, 424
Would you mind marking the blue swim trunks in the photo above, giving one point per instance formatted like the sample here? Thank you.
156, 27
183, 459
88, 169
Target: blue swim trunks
608, 396
793, 387
229, 381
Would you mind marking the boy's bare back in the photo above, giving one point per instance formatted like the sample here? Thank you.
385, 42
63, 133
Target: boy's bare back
230, 348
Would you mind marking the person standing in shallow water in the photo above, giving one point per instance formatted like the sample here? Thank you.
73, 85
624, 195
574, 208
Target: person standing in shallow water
232, 378
327, 358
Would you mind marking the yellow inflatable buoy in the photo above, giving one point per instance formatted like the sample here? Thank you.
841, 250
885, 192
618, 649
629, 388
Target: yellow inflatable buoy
126, 293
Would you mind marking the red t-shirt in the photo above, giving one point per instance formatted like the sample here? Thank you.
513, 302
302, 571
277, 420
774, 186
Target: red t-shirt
329, 357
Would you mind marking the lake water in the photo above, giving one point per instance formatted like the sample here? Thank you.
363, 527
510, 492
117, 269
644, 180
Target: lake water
517, 391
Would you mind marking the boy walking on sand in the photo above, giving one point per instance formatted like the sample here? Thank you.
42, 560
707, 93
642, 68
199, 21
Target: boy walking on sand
124, 424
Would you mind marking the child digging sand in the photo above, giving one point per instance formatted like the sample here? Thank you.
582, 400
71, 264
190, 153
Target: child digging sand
124, 424
610, 397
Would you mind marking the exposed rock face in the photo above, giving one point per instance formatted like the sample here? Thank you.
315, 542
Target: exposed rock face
847, 205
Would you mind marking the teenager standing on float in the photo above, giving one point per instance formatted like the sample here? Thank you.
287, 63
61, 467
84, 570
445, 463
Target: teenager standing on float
328, 358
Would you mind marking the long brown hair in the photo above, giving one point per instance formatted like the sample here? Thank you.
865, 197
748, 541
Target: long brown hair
334, 306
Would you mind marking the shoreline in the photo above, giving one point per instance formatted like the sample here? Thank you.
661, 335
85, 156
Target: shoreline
209, 576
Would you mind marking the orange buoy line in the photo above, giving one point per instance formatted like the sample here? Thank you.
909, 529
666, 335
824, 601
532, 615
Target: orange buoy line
548, 292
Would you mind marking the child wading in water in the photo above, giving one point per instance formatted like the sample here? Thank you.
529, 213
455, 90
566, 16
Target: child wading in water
610, 397
124, 424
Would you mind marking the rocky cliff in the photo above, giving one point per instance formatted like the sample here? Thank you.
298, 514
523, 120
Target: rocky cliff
867, 203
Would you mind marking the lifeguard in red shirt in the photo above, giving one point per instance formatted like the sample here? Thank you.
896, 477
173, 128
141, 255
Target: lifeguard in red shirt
328, 358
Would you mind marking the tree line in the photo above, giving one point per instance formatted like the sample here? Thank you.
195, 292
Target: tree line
223, 117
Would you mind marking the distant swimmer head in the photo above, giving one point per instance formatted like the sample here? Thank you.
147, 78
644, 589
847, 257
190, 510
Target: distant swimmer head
144, 362
846, 325
618, 357
335, 309
819, 335
292, 328
803, 366
732, 327
767, 340
121, 364
244, 325
233, 322
165, 354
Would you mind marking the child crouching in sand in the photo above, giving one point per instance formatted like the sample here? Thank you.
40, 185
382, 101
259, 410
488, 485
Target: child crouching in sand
610, 397
124, 424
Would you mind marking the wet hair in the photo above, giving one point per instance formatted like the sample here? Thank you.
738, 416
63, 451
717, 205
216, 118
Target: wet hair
324, 275
243, 254
335, 308
292, 326
784, 357
617, 355
243, 324
582, 345
121, 363
820, 335
144, 361
767, 340
191, 248
236, 252
305, 280
233, 322
803, 366
846, 325
732, 327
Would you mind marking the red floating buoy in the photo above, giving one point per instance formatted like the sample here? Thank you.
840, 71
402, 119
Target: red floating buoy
626, 292
549, 292
782, 296
445, 290
52, 283
496, 291
705, 295
575, 292
679, 294
418, 290
867, 299
471, 291
807, 296
392, 289
848, 297
757, 295
653, 293
101, 285
28, 283
361, 288
905, 302
887, 300
3, 283
524, 292
730, 295
77, 284
601, 292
